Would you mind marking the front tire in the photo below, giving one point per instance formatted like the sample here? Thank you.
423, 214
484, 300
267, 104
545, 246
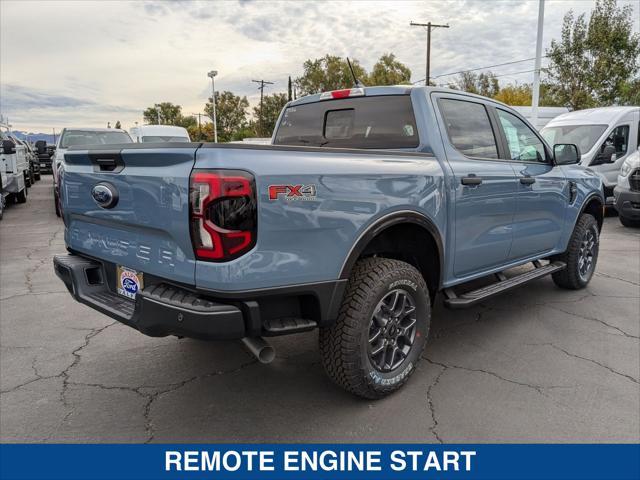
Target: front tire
382, 327
629, 222
581, 255
21, 196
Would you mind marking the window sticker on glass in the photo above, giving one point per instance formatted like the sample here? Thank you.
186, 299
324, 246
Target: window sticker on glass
407, 130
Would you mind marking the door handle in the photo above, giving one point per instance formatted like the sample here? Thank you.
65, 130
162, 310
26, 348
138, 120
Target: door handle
471, 180
527, 180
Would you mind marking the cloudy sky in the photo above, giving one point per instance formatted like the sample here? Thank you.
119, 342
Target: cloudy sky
85, 63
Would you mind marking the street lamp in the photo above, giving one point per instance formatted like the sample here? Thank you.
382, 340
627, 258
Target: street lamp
157, 112
211, 75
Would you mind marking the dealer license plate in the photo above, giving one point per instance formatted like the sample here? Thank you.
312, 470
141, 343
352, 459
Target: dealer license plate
129, 282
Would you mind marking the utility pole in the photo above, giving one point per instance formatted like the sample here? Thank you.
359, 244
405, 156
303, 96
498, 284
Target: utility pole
429, 27
199, 124
536, 73
261, 88
54, 136
212, 75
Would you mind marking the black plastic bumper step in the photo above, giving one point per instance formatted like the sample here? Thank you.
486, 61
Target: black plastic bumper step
476, 296
284, 326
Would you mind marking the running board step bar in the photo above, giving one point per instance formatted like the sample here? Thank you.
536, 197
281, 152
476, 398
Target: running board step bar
502, 285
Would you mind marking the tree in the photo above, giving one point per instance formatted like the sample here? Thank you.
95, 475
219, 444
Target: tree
328, 73
630, 92
117, 125
272, 105
231, 114
591, 63
165, 113
389, 71
484, 83
515, 95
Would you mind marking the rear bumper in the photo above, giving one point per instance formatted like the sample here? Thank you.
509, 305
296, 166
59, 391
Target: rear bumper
627, 203
162, 309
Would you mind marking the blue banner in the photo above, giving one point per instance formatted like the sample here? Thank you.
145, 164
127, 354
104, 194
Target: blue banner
320, 461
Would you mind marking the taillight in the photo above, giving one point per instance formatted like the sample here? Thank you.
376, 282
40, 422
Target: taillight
223, 214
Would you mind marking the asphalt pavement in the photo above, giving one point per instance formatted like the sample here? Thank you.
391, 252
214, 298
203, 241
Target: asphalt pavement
540, 364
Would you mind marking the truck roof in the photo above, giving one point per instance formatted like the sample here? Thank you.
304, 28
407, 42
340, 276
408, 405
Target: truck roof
389, 90
593, 116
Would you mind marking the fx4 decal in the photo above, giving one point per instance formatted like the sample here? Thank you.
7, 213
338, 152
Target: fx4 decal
292, 192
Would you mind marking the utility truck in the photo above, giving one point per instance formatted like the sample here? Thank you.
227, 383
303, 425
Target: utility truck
369, 203
15, 168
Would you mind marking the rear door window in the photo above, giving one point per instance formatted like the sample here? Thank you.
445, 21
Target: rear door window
381, 122
469, 128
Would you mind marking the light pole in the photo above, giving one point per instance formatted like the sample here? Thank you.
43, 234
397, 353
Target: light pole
211, 75
157, 112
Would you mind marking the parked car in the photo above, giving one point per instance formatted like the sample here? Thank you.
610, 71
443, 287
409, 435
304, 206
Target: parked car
45, 156
14, 164
80, 137
370, 202
627, 191
34, 163
159, 133
605, 137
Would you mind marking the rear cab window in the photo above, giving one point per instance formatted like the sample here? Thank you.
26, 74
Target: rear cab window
373, 122
469, 128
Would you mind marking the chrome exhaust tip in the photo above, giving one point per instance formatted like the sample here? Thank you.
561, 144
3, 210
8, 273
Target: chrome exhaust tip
260, 349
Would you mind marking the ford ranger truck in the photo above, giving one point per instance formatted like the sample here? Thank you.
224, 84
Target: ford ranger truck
368, 204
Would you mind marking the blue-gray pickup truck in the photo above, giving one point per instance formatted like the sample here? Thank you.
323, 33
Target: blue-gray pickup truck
369, 203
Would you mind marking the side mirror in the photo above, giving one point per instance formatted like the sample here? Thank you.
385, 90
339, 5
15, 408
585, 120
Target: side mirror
8, 147
606, 156
566, 154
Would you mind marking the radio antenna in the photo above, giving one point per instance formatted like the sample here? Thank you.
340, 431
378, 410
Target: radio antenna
356, 82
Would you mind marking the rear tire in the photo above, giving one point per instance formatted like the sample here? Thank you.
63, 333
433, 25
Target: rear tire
56, 203
382, 327
629, 222
581, 255
21, 196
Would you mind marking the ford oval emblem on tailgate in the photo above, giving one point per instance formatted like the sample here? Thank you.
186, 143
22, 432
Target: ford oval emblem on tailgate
105, 195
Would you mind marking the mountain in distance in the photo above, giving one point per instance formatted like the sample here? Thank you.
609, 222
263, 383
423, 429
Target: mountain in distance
34, 137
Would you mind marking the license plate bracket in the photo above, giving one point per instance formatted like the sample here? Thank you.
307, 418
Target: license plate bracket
129, 282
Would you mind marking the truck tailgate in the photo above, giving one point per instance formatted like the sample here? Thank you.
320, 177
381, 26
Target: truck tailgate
147, 229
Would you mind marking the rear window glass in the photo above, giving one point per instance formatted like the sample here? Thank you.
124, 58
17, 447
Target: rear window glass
72, 138
382, 122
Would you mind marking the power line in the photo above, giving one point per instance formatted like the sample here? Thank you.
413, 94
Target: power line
481, 68
501, 75
429, 26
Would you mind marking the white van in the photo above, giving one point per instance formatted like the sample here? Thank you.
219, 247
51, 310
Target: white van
159, 133
605, 137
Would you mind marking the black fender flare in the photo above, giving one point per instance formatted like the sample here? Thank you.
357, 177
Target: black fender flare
588, 199
381, 224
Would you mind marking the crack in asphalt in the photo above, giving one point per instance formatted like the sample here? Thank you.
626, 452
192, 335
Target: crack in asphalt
594, 319
590, 360
434, 421
618, 278
538, 388
151, 397
18, 295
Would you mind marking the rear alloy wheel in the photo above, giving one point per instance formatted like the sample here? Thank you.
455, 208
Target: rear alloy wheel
375, 344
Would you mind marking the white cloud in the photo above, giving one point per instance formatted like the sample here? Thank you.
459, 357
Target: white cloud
86, 63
